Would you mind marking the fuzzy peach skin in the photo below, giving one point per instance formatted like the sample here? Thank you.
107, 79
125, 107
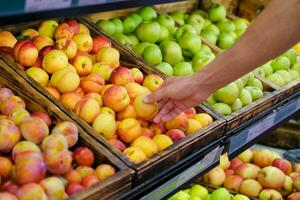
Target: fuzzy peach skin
162, 141
43, 116
5, 167
65, 80
54, 60
108, 110
47, 28
25, 53
73, 176
53, 91
34, 129
144, 110
67, 129
147, 132
146, 144
87, 109
9, 135
190, 113
5, 93
135, 155
63, 30
116, 97
121, 76
129, 129
85, 171
158, 128
92, 83
84, 42
24, 147
42, 41
99, 42
104, 70
31, 191
30, 32
118, 144
68, 46
18, 115
10, 104
129, 112
82, 63
193, 126
175, 134
137, 75
58, 162
39, 75
152, 82
55, 141
7, 196
53, 187
103, 171
105, 124
134, 90
178, 122
70, 99
109, 56
7, 39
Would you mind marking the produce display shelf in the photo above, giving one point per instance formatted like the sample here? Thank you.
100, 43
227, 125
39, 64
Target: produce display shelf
17, 11
233, 143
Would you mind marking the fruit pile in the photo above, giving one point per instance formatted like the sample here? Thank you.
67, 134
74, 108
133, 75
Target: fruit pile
257, 173
86, 76
199, 192
283, 69
36, 162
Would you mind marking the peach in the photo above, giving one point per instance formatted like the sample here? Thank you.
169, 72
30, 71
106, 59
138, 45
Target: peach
47, 28
5, 93
67, 129
175, 134
26, 53
103, 171
179, 122
68, 46
45, 117
83, 156
43, 52
129, 112
137, 75
63, 30
117, 144
250, 187
158, 128
229, 172
134, 154
7, 39
30, 33
263, 157
95, 96
87, 109
73, 25
54, 60
287, 187
146, 144
74, 188
31, 191
116, 97
105, 124
134, 90
215, 177
34, 129
89, 181
23, 147
70, 99
294, 196
99, 42
92, 83
284, 165
152, 82
5, 167
105, 87
10, 186
121, 76
193, 126
7, 196
85, 171
108, 110
9, 135
144, 123
247, 171
83, 64
109, 56
55, 141
58, 162
18, 115
104, 70
73, 176
190, 113
162, 141
144, 110
147, 132
204, 119
246, 156
11, 103
84, 42
38, 63
42, 41
271, 177
234, 163
129, 129
65, 80
233, 183
83, 29
270, 194
30, 168
53, 91
39, 75
53, 187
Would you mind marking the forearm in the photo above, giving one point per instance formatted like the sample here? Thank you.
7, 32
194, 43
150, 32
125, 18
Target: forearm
274, 31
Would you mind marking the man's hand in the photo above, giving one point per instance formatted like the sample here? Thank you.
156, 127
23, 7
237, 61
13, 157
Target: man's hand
176, 95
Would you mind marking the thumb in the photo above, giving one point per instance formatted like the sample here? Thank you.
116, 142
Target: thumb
155, 96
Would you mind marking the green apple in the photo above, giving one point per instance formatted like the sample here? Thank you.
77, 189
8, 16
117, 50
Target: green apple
239, 83
255, 82
213, 28
255, 92
207, 22
129, 25
223, 109
181, 195
210, 36
198, 190
211, 100
186, 191
140, 47
164, 33
294, 74
171, 52
123, 39
240, 197
152, 54
201, 62
240, 24
205, 49
166, 21
227, 94
208, 197
196, 21
178, 17
276, 79
190, 43
292, 55
118, 24
134, 40
296, 66
217, 12
107, 26
183, 69
148, 32
200, 12
267, 68
147, 13
225, 41
137, 18
183, 29
285, 75
245, 79
225, 25
282, 62
236, 105
194, 198
233, 35
166, 68
260, 71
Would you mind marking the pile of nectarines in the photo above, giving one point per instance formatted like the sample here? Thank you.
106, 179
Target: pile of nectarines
84, 73
36, 162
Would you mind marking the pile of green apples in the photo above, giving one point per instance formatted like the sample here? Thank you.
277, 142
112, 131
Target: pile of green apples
172, 42
283, 69
198, 192
236, 95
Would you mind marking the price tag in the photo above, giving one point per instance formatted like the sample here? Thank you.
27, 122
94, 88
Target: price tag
268, 122
254, 132
38, 5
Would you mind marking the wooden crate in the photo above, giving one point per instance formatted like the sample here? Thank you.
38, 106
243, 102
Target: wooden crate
163, 159
35, 101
